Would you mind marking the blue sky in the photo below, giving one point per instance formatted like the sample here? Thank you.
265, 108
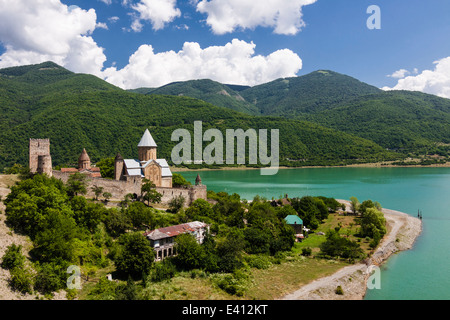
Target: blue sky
333, 35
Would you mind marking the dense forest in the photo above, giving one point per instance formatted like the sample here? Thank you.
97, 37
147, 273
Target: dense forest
77, 111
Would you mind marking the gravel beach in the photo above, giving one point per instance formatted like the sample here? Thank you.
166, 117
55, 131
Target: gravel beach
404, 230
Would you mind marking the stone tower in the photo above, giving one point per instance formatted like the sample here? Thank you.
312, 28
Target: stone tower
84, 162
40, 160
147, 147
198, 180
118, 166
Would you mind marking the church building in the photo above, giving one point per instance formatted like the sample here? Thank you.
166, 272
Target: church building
147, 165
84, 166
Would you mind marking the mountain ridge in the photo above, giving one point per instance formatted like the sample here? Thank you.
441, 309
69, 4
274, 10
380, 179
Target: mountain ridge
79, 111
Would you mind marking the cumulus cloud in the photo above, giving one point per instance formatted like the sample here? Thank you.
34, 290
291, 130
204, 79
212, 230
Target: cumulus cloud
49, 30
402, 73
225, 16
157, 12
234, 63
435, 81
399, 74
102, 25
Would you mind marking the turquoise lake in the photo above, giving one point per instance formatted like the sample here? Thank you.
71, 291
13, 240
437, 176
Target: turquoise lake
421, 273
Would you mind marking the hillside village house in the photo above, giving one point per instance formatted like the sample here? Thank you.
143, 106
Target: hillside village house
163, 240
296, 223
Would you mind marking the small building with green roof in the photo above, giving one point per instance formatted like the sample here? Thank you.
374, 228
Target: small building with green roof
297, 224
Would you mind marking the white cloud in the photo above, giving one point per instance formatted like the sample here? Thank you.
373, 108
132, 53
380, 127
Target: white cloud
225, 16
234, 63
157, 12
108, 2
399, 74
113, 19
435, 81
49, 30
101, 25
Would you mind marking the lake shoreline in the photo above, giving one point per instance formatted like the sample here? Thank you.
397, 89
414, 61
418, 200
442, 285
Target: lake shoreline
360, 165
353, 279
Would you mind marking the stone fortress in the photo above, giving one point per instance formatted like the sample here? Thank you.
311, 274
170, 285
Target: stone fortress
128, 173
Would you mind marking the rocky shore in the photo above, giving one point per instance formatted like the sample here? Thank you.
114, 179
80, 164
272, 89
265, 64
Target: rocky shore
404, 230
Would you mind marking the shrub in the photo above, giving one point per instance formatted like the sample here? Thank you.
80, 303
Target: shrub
258, 262
51, 277
306, 252
339, 290
13, 257
231, 283
163, 270
21, 280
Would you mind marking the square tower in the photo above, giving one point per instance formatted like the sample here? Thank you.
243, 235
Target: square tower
40, 160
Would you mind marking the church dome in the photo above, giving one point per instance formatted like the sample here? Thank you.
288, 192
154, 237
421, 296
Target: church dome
84, 156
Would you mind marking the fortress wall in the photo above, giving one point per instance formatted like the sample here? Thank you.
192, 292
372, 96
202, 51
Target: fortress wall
120, 188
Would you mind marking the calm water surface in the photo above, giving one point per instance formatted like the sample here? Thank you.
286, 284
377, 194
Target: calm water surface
420, 273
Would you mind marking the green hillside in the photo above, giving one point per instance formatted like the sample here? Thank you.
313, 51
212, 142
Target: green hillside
397, 119
412, 122
307, 94
207, 90
81, 111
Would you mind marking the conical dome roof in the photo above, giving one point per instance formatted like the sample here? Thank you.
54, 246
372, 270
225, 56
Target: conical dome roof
84, 156
147, 140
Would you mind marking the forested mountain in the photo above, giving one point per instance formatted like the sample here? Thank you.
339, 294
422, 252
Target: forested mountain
412, 122
311, 93
79, 111
207, 90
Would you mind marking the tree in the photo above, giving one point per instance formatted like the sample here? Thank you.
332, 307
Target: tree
76, 184
97, 191
107, 196
22, 280
354, 205
257, 240
179, 181
308, 211
106, 168
140, 215
337, 246
189, 252
126, 200
149, 192
176, 203
51, 276
117, 222
200, 208
230, 250
13, 257
129, 291
163, 270
373, 224
56, 240
136, 256
28, 203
